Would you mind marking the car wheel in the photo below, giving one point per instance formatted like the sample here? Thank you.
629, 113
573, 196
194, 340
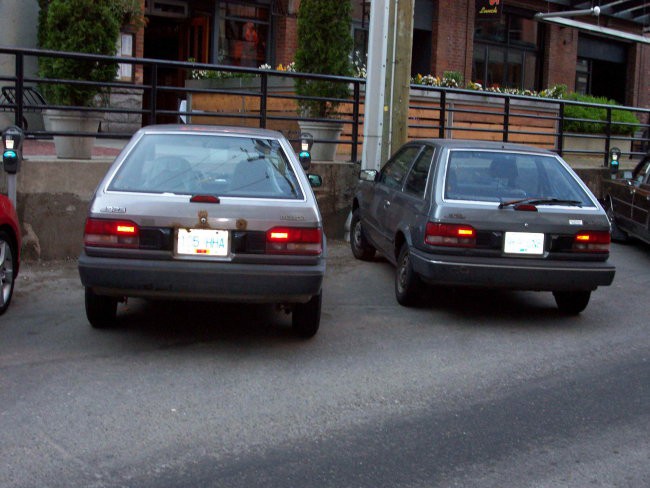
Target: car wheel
7, 267
408, 286
305, 319
571, 302
100, 310
618, 235
361, 248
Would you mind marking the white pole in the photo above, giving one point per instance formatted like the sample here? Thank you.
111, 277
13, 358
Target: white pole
375, 98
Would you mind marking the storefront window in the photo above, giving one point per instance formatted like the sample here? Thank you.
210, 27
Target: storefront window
510, 45
244, 30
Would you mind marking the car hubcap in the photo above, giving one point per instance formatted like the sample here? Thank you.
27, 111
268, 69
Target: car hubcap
356, 235
6, 272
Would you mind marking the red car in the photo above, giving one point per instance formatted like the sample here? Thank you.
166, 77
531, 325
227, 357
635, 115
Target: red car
10, 241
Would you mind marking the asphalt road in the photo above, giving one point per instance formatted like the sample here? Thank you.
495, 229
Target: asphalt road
477, 389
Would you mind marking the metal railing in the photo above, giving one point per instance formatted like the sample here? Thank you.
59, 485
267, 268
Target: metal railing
228, 95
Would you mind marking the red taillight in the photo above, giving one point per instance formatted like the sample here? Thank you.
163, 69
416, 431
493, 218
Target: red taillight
111, 233
450, 235
204, 199
294, 240
591, 241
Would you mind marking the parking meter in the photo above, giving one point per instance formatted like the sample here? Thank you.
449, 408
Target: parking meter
12, 145
614, 157
306, 141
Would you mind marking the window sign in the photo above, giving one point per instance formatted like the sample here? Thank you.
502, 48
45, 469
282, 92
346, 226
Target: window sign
488, 9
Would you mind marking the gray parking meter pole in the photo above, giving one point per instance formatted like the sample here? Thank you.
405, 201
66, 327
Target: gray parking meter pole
12, 156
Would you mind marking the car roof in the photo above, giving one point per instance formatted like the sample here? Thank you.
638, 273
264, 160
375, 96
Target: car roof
474, 144
212, 129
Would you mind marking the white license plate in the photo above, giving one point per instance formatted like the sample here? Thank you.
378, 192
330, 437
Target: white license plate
202, 242
524, 243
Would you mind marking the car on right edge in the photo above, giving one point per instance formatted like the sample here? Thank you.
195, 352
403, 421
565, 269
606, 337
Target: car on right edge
483, 214
627, 202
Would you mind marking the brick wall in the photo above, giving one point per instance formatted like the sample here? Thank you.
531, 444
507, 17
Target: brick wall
638, 67
561, 52
643, 87
286, 40
453, 37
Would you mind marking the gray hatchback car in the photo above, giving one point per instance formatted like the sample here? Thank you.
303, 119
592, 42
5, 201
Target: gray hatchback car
205, 213
483, 214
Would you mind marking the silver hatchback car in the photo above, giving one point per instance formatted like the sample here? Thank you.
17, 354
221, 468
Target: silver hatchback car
205, 213
482, 214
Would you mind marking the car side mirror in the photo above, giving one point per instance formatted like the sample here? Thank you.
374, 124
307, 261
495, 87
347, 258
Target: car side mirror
315, 180
368, 174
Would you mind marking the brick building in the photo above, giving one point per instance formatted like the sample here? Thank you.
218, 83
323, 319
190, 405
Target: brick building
507, 48
493, 42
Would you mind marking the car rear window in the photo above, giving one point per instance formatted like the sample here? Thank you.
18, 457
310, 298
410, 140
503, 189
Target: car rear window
208, 164
497, 176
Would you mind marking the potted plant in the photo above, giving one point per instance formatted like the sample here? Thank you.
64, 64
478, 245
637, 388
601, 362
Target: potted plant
81, 26
324, 47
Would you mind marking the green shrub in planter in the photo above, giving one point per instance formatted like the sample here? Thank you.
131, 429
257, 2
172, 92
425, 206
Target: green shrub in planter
82, 26
324, 47
595, 115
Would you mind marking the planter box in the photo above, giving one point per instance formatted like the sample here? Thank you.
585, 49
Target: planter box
467, 115
594, 144
239, 102
480, 117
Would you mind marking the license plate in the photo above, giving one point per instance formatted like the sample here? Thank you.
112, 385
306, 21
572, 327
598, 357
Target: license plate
524, 243
202, 242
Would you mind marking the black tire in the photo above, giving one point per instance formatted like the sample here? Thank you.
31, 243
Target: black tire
361, 248
305, 319
408, 286
618, 235
8, 263
571, 302
100, 310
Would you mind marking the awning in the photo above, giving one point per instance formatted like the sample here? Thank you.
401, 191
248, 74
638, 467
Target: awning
634, 11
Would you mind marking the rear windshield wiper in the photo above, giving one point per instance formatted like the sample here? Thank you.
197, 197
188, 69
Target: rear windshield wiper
541, 201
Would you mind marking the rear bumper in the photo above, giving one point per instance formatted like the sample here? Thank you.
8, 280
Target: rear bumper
195, 280
516, 274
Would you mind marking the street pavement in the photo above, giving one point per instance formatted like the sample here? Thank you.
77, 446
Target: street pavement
475, 389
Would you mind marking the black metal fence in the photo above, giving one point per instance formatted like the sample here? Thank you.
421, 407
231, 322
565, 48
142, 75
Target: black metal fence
148, 91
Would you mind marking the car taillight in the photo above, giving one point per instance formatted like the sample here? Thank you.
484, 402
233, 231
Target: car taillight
450, 235
294, 240
591, 241
111, 233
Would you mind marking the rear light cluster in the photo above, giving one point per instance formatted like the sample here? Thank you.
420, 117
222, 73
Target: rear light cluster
112, 233
279, 240
294, 240
456, 235
591, 241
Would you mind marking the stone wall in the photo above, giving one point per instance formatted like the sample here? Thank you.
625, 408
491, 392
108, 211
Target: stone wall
129, 123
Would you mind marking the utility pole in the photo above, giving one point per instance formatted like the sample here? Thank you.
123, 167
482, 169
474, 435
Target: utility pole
389, 75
